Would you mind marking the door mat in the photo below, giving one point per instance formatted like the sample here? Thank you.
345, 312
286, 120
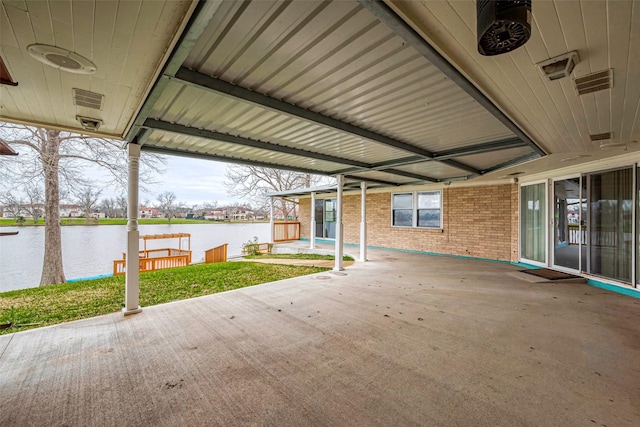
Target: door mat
550, 274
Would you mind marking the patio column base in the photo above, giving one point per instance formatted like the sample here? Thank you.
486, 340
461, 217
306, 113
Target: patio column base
132, 311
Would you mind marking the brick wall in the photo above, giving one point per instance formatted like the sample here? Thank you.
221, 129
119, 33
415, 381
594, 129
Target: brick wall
480, 221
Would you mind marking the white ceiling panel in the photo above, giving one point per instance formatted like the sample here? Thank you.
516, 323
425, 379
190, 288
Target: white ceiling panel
127, 41
606, 34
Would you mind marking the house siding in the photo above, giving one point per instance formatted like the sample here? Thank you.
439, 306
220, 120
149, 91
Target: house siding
478, 221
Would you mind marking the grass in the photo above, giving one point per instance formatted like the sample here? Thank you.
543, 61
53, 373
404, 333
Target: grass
11, 222
297, 256
49, 305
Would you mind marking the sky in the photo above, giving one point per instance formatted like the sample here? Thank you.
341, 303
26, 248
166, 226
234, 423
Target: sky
193, 181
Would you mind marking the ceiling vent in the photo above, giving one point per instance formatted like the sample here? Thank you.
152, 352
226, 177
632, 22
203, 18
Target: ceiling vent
560, 66
85, 98
594, 82
605, 141
61, 59
89, 123
502, 25
600, 137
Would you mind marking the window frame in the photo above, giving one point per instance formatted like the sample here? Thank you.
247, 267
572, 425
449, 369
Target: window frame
415, 210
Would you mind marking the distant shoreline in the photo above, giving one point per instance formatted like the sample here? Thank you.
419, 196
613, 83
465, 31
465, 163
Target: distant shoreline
10, 222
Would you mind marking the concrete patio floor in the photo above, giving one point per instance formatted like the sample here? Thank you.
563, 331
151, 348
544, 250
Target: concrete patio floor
404, 339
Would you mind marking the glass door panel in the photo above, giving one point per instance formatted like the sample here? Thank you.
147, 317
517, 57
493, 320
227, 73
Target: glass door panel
319, 208
533, 222
568, 234
611, 224
330, 218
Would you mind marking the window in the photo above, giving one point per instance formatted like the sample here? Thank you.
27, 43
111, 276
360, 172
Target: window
419, 209
429, 208
402, 210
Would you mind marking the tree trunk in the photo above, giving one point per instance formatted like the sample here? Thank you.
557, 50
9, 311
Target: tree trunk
52, 270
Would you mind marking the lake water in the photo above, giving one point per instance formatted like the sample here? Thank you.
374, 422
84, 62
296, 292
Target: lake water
90, 250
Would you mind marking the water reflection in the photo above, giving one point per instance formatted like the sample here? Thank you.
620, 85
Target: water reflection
90, 250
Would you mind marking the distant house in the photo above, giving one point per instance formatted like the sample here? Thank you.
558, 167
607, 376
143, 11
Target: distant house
230, 213
242, 214
146, 212
70, 211
217, 215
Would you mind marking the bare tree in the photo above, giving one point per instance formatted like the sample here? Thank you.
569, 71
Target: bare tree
121, 204
54, 158
109, 206
35, 200
204, 208
11, 204
167, 203
87, 198
252, 183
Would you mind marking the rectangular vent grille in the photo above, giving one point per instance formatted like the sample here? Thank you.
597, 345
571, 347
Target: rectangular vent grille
85, 98
600, 137
594, 82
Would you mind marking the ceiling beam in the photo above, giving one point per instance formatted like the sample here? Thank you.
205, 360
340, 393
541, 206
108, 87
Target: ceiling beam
388, 17
512, 162
480, 148
226, 159
190, 77
153, 124
217, 136
194, 78
398, 162
411, 175
376, 181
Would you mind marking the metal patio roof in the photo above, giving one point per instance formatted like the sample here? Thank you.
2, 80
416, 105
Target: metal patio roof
325, 88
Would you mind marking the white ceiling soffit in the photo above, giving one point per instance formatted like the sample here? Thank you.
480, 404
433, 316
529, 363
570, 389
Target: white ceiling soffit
127, 41
606, 35
274, 82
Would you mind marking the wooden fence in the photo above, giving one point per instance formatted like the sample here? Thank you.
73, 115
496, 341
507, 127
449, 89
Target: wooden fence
155, 259
152, 264
283, 231
217, 254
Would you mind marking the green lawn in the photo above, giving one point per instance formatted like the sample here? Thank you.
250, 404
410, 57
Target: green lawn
35, 307
297, 256
11, 222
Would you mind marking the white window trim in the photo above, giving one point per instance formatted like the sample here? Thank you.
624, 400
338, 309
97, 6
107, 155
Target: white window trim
414, 209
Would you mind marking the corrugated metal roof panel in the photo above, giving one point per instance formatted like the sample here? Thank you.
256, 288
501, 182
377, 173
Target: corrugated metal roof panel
338, 59
436, 170
383, 176
205, 146
201, 109
486, 161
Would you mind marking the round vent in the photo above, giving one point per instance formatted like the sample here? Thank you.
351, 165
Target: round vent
503, 26
62, 59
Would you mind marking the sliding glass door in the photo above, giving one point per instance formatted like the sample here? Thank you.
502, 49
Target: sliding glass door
592, 227
533, 230
325, 218
610, 225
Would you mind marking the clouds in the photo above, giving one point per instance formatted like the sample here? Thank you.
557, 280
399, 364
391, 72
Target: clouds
192, 180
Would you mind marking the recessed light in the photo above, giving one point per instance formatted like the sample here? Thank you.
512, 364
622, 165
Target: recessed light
61, 59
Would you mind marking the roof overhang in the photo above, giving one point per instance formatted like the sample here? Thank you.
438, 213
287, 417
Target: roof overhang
391, 92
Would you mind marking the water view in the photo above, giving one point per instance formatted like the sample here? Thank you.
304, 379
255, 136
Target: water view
90, 250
